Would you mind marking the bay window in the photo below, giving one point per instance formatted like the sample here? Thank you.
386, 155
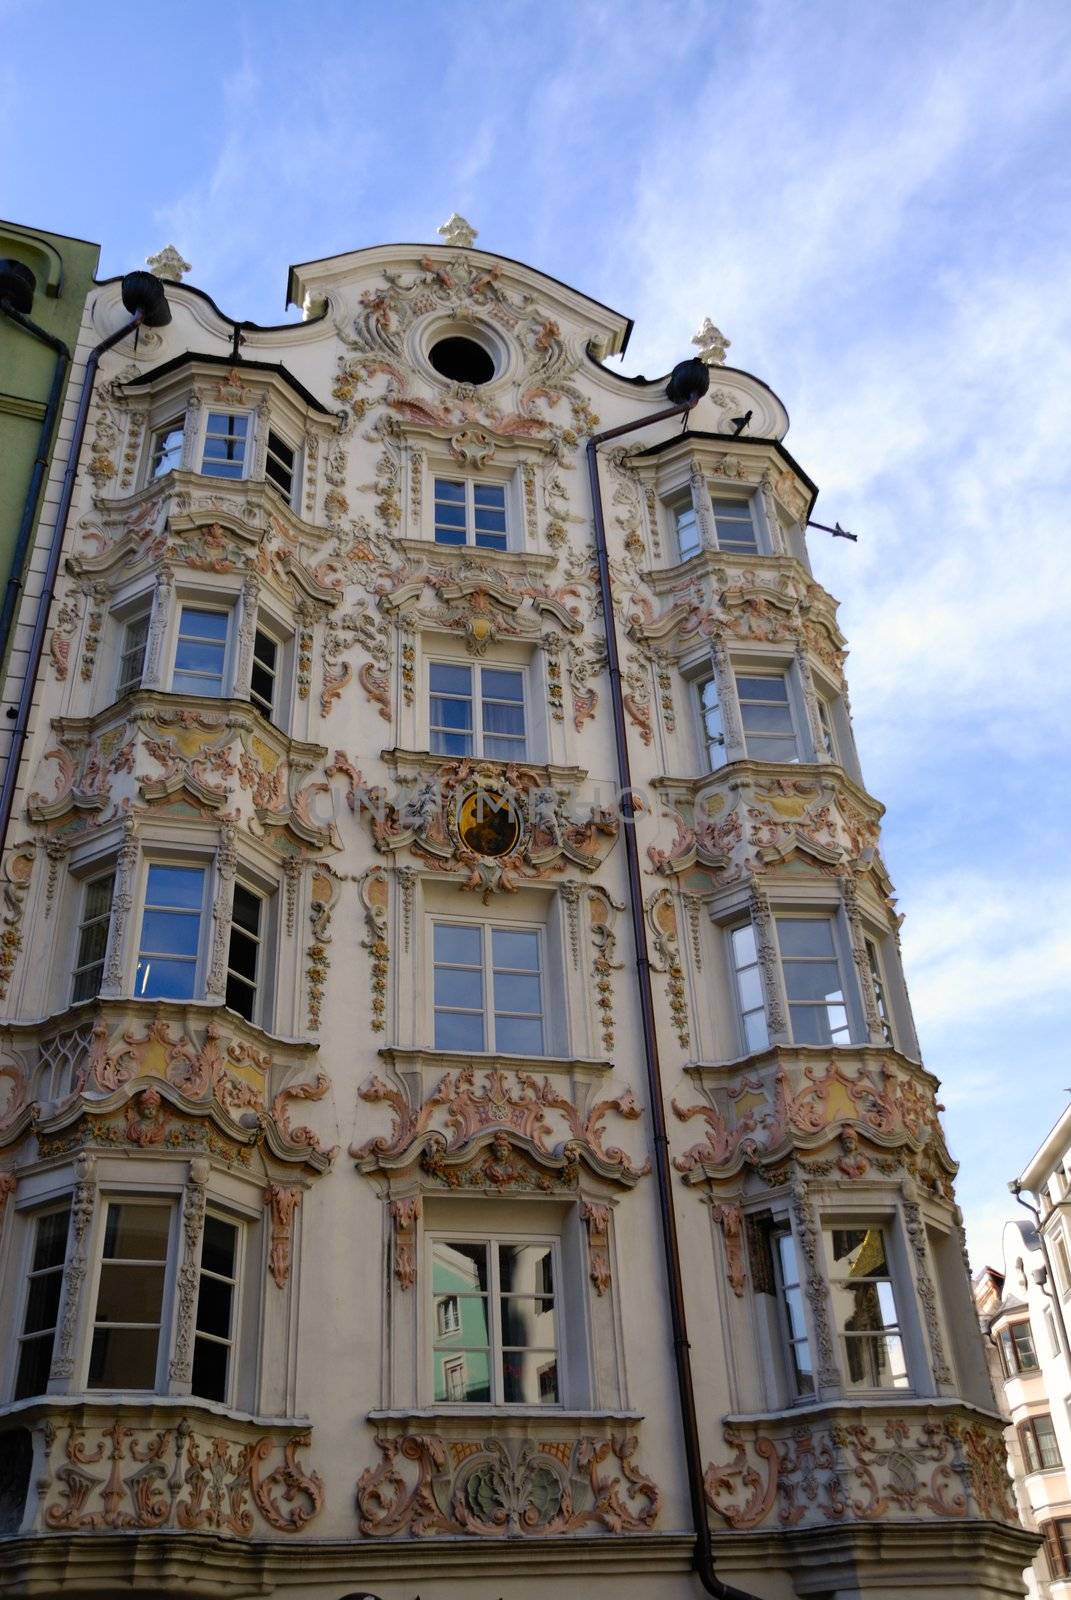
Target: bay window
495, 1323
165, 447
865, 1310
1037, 1440
794, 1321
225, 445
477, 711
97, 897
127, 1323
132, 654
201, 651
768, 716
247, 974
747, 977
41, 1315
686, 529
169, 947
1057, 1536
280, 465
214, 1322
488, 988
713, 731
734, 524
1015, 1343
814, 983
264, 681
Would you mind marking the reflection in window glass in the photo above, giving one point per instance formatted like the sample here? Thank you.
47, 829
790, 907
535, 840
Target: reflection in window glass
38, 1335
93, 937
686, 523
788, 1273
748, 977
201, 652
735, 526
713, 731
769, 731
130, 1295
813, 981
474, 963
864, 1306
225, 441
132, 655
166, 449
170, 933
496, 1338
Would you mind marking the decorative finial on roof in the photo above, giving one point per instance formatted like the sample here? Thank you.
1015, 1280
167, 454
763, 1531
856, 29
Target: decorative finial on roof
455, 230
712, 344
167, 263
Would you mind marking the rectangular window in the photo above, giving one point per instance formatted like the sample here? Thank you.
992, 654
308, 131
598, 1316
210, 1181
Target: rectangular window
713, 731
264, 679
881, 999
42, 1303
735, 526
1063, 1268
279, 465
864, 1306
93, 936
217, 1289
1037, 1441
130, 1297
686, 527
1054, 1337
132, 655
226, 436
825, 722
165, 451
787, 1272
503, 1349
488, 990
813, 981
244, 953
170, 934
469, 512
748, 978
766, 712
1016, 1345
201, 652
1057, 1536
494, 728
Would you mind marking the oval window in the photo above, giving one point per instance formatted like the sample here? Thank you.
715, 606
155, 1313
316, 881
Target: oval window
461, 360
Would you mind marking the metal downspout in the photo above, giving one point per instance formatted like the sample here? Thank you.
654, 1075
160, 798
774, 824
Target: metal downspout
40, 465
702, 1559
55, 550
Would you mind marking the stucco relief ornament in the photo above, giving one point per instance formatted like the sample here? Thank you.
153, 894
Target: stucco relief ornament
712, 344
168, 264
456, 231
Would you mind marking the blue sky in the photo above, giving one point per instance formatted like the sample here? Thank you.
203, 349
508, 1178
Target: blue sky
870, 199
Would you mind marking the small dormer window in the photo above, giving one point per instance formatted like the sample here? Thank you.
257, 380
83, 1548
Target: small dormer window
226, 441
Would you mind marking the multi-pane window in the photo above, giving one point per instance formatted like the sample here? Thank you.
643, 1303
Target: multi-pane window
498, 1344
477, 711
766, 712
165, 450
787, 1272
735, 526
488, 990
1016, 1345
226, 438
201, 651
825, 722
217, 1289
877, 983
93, 936
470, 512
1063, 1266
245, 952
1037, 1440
747, 976
263, 681
1057, 1536
170, 933
130, 1296
713, 731
132, 654
41, 1316
686, 527
1050, 1327
864, 1307
279, 464
813, 982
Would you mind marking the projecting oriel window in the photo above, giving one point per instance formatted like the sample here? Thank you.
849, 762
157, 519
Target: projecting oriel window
280, 464
264, 680
201, 651
40, 1317
813, 980
132, 654
865, 1310
165, 449
130, 1297
226, 440
734, 524
170, 933
766, 712
93, 936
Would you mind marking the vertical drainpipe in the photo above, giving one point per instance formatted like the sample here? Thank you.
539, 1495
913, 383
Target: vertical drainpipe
702, 1559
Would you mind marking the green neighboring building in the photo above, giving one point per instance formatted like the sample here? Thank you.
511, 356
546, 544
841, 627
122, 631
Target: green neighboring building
64, 269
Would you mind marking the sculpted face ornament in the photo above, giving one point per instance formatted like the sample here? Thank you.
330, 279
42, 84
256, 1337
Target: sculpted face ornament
488, 823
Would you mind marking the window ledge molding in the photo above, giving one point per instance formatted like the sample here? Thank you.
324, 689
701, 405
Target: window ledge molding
422, 1061
466, 556
860, 1407
830, 776
105, 1404
247, 505
501, 1419
410, 764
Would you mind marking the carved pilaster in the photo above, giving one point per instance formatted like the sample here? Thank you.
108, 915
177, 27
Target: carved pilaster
874, 1027
260, 439
773, 518
810, 701
282, 1202
74, 1273
247, 627
163, 595
226, 867
806, 1233
597, 1218
704, 512
916, 1232
725, 683
416, 492
770, 967
404, 1216
191, 441
193, 1221
531, 505
570, 893
126, 866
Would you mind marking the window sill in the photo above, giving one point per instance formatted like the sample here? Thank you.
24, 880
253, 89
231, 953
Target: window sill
493, 1417
107, 1402
463, 554
421, 1059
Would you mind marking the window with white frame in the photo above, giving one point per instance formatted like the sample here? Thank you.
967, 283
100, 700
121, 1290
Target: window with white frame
865, 1307
170, 944
1050, 1328
165, 447
132, 654
1037, 1440
280, 465
247, 954
128, 1317
1015, 1343
201, 651
768, 716
793, 1317
686, 528
264, 680
747, 979
477, 710
40, 1315
470, 511
97, 895
1063, 1266
735, 524
488, 988
226, 445
502, 1345
814, 981
215, 1319
825, 723
713, 730
877, 983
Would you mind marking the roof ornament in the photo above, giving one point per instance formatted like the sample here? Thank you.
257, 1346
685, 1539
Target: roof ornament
712, 344
456, 231
167, 263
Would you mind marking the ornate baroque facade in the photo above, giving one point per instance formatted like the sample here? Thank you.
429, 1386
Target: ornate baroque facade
330, 1252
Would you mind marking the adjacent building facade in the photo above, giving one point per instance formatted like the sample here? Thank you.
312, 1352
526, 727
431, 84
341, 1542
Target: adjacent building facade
335, 1254
1025, 1307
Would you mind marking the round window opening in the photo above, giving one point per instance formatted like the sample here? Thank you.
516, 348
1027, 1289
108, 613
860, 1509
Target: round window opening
461, 360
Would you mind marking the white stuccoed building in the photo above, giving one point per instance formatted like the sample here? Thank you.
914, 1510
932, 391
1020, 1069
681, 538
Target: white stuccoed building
419, 1178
